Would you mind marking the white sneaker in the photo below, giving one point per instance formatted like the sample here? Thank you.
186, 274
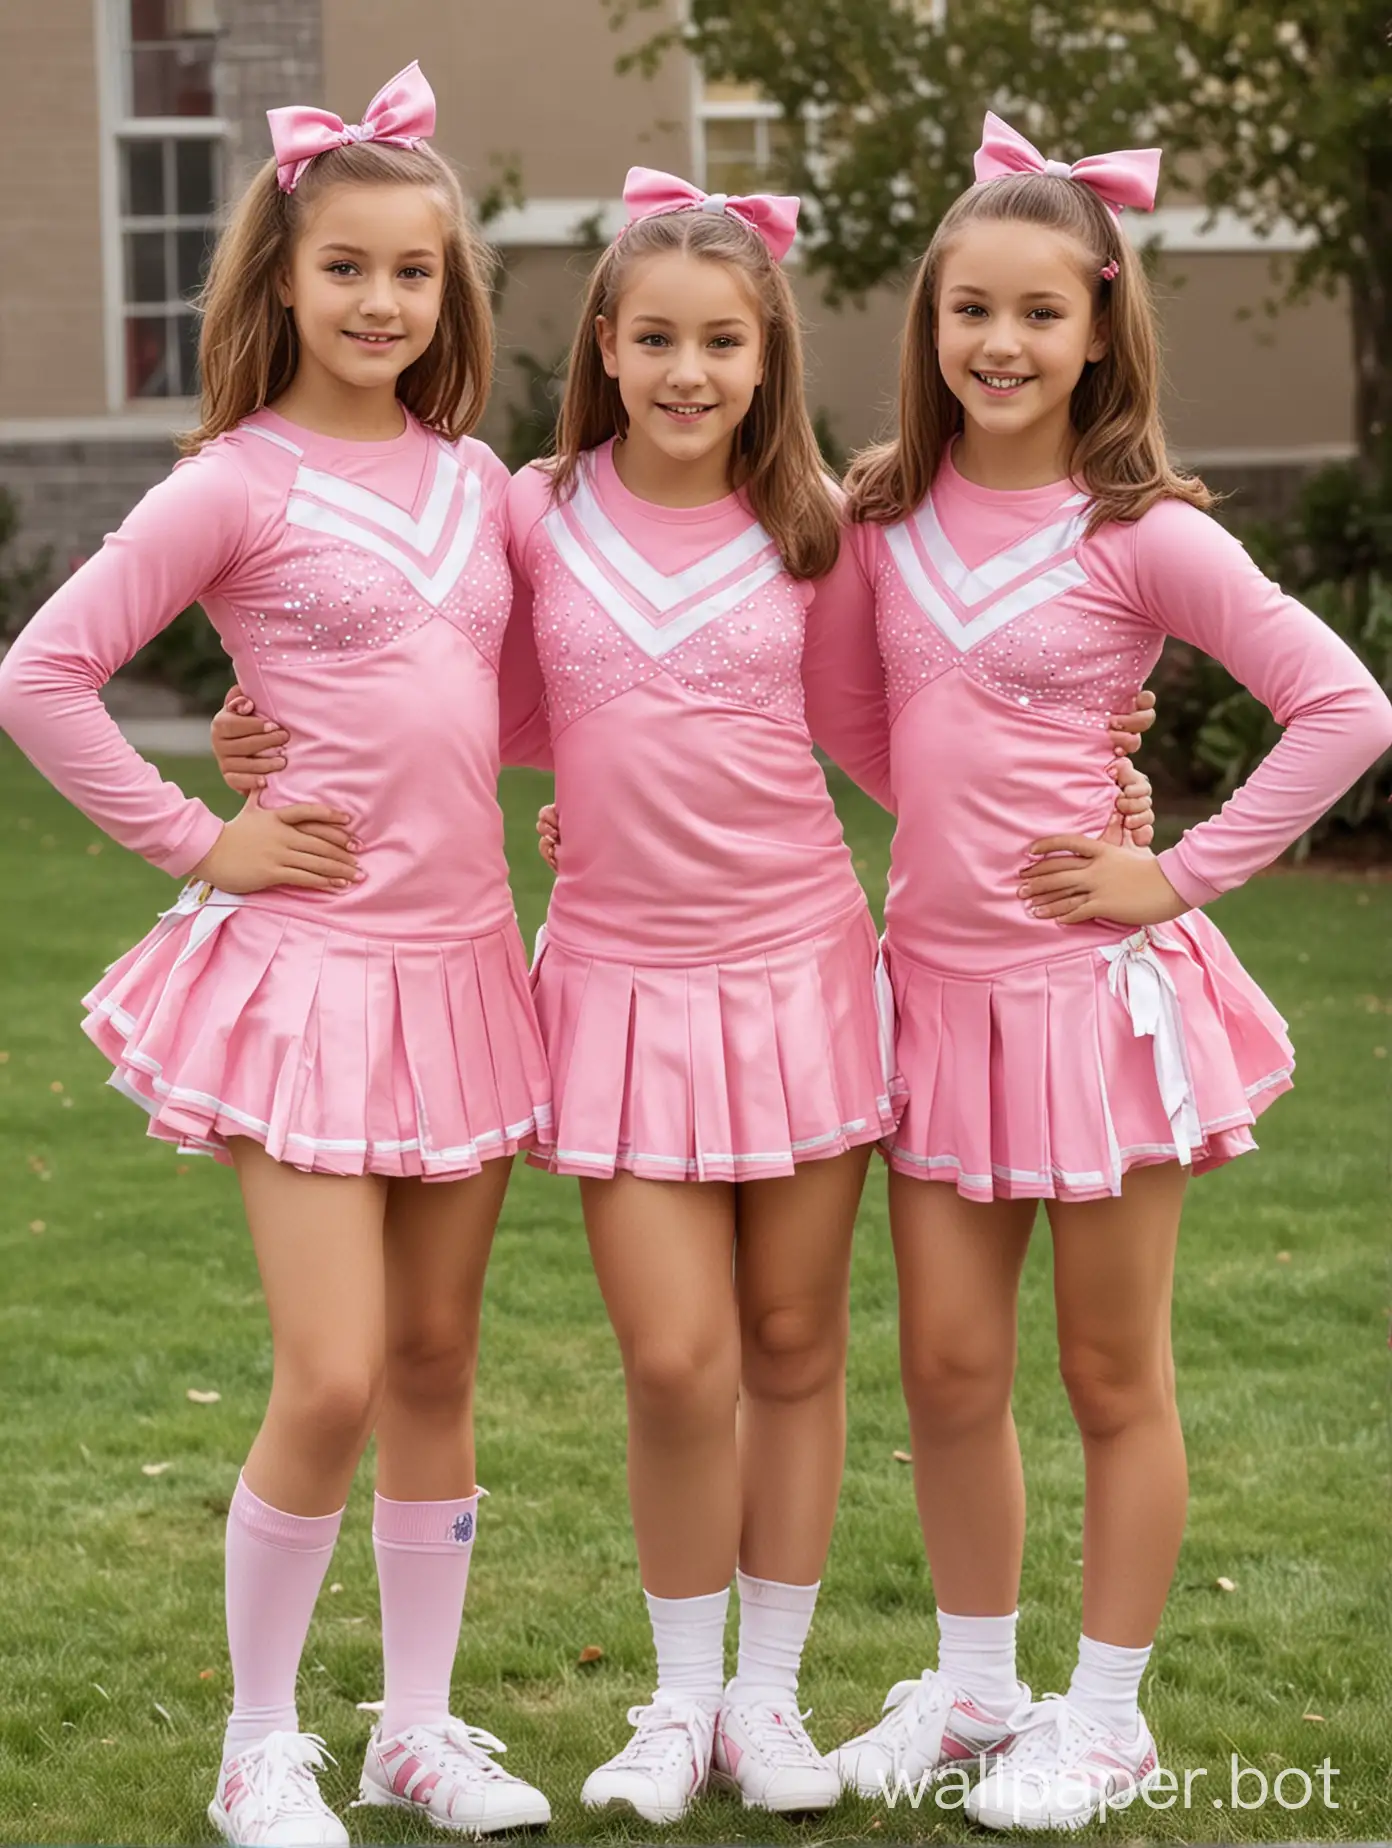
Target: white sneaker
267, 1796
762, 1751
928, 1728
664, 1765
1063, 1770
446, 1773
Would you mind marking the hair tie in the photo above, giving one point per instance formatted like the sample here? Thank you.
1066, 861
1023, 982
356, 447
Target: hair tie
1110, 271
401, 114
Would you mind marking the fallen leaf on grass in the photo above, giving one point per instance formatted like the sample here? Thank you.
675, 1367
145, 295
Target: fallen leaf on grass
206, 1674
38, 1225
1225, 1584
57, 1087
1283, 1257
182, 1168
203, 1398
154, 1469
67, 1103
335, 1586
108, 1742
1316, 1719
1379, 1052
589, 1654
94, 848
903, 1456
37, 1165
4, 1058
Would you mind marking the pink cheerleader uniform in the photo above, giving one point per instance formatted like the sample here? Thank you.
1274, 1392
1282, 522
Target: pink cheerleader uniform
1045, 1059
362, 591
707, 982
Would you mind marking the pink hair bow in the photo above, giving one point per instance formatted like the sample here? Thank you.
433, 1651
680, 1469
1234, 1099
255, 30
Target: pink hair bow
648, 193
400, 114
1126, 178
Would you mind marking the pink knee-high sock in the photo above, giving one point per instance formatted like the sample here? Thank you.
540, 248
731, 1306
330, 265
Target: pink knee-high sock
423, 1551
275, 1565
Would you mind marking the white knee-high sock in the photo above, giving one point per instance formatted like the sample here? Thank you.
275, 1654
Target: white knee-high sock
977, 1655
773, 1626
689, 1636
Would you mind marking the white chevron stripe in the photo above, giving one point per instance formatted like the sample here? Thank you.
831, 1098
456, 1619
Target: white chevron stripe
974, 586
654, 642
664, 592
433, 586
965, 635
272, 436
349, 497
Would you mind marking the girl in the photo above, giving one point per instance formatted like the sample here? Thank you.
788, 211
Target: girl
1073, 1031
706, 988
340, 1035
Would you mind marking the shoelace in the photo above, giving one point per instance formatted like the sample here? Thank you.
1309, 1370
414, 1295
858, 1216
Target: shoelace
472, 1743
782, 1737
909, 1702
278, 1775
1053, 1735
659, 1735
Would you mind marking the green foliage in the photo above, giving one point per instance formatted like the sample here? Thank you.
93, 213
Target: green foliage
189, 657
21, 579
530, 421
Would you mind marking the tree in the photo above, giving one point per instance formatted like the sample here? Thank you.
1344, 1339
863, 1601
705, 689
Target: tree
1277, 112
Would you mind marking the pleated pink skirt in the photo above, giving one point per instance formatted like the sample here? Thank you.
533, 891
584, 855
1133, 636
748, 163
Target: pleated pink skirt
340, 1054
1052, 1080
727, 1071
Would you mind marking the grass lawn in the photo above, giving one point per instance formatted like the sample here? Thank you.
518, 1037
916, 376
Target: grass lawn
128, 1280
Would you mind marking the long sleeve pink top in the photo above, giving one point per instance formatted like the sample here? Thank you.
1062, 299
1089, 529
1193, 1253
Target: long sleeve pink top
1008, 635
685, 679
362, 591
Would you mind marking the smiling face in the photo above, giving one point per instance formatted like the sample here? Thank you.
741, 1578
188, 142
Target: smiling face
365, 284
686, 347
1016, 323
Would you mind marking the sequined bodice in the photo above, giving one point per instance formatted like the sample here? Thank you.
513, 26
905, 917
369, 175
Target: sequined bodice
728, 628
1024, 625
352, 572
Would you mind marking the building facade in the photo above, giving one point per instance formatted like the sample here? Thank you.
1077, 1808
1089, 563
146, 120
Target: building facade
105, 226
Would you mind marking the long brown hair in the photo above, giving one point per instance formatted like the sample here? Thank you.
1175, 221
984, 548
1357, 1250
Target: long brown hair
777, 463
248, 348
1119, 453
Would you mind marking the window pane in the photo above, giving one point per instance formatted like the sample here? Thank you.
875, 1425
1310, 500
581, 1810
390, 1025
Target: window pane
146, 277
186, 335
173, 80
732, 161
142, 189
192, 250
148, 20
195, 165
147, 357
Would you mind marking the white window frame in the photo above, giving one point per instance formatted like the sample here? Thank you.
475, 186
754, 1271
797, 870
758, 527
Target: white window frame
117, 125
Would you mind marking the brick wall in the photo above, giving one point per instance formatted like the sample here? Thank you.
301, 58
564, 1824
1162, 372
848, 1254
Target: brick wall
71, 494
270, 53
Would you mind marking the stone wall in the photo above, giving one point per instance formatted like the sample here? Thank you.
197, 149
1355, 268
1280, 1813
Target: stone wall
270, 53
71, 494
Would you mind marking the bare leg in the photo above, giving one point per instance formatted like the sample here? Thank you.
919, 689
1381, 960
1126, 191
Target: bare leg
438, 1240
663, 1253
793, 1265
959, 1269
1113, 1281
318, 1242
